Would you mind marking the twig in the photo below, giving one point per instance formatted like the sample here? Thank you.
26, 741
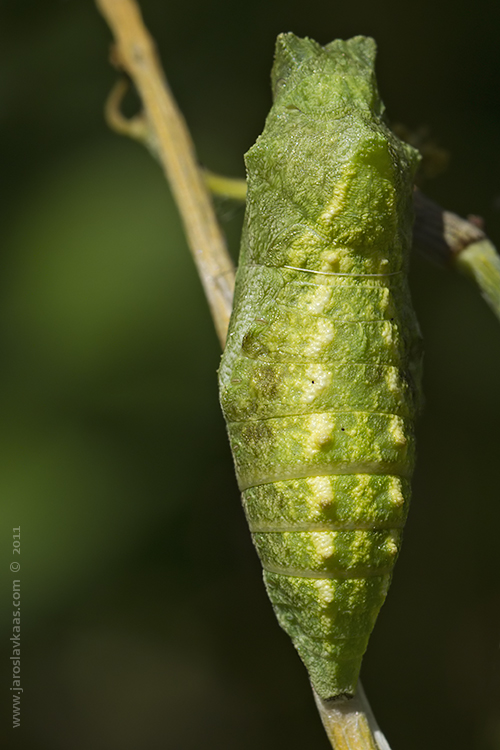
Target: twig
226, 187
346, 726
453, 242
135, 52
481, 262
136, 127
350, 724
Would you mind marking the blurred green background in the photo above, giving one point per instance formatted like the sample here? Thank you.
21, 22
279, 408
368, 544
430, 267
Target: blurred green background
145, 622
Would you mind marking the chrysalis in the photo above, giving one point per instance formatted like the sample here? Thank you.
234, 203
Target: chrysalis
320, 378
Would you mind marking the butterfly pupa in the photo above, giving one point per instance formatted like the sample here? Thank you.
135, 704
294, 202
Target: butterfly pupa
320, 377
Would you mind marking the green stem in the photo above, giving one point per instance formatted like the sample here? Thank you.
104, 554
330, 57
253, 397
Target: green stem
226, 187
481, 262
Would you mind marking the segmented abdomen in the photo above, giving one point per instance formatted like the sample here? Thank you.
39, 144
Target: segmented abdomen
318, 393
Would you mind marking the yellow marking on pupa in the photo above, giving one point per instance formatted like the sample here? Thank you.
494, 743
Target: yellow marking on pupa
323, 543
325, 589
321, 298
319, 433
319, 340
339, 200
331, 262
360, 544
389, 335
393, 380
396, 428
383, 266
318, 381
391, 546
337, 204
395, 493
321, 494
385, 299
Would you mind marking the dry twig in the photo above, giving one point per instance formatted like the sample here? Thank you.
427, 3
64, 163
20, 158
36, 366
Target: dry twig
163, 128
452, 242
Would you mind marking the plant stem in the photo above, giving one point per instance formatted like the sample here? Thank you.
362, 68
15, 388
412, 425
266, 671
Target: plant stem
350, 724
135, 53
453, 242
226, 187
481, 262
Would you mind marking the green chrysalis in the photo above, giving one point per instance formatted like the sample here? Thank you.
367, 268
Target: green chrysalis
320, 378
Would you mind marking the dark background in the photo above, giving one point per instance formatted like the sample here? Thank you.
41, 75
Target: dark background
145, 622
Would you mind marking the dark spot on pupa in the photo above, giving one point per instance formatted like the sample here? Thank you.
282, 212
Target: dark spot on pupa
256, 431
338, 698
267, 381
252, 345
